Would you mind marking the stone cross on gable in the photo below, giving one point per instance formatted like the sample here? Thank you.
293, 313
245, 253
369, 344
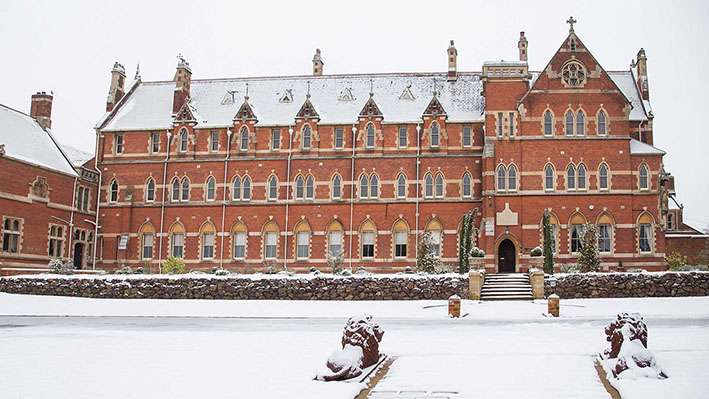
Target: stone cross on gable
2, 149
571, 21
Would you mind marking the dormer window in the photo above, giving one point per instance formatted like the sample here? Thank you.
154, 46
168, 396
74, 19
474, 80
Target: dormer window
183, 140
307, 135
370, 135
435, 135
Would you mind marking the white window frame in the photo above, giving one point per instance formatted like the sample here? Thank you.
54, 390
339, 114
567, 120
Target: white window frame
302, 248
148, 243
208, 245
240, 238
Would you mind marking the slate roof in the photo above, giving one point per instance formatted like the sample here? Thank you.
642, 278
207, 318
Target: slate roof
639, 148
27, 141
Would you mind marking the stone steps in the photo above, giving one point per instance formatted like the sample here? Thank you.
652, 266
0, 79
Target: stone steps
506, 286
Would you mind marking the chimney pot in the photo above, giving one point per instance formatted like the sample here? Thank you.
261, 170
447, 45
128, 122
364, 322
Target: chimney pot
41, 108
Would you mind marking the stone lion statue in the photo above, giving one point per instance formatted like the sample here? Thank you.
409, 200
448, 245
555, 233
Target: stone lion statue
628, 355
360, 349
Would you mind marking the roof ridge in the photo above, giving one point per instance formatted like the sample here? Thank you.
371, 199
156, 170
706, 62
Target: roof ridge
18, 111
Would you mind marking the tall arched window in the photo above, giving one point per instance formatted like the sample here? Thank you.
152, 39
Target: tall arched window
364, 187
501, 178
113, 191
336, 192
150, 190
400, 234
643, 178
428, 186
601, 127
183, 140
236, 189
307, 137
548, 123
645, 233
175, 190
272, 188
246, 195
177, 240
368, 239
571, 177
208, 233
185, 191
435, 229
210, 189
334, 239
467, 185
512, 178
580, 123
270, 239
603, 177
569, 124
581, 177
299, 187
576, 231
302, 240
435, 134
374, 187
549, 178
309, 188
239, 241
401, 186
370, 135
244, 145
439, 186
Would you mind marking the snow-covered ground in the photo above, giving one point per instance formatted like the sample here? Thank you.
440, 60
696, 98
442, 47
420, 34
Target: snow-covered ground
272, 349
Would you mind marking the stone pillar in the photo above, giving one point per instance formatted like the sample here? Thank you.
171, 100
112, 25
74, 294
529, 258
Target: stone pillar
476, 278
536, 279
454, 306
553, 305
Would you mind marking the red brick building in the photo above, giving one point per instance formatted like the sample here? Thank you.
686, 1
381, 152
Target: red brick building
46, 201
239, 172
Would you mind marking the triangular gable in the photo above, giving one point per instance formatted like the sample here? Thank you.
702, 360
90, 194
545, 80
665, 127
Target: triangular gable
434, 108
245, 112
370, 108
307, 111
185, 114
572, 44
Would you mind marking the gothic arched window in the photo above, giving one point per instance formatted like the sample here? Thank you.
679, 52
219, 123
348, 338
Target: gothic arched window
272, 188
580, 123
309, 188
246, 195
569, 124
501, 178
307, 137
644, 177
183, 140
401, 186
512, 178
175, 190
370, 135
603, 177
363, 187
467, 185
150, 190
374, 187
299, 187
571, 177
439, 185
549, 178
211, 189
113, 191
581, 177
435, 134
236, 189
601, 127
336, 192
185, 190
244, 145
548, 123
428, 186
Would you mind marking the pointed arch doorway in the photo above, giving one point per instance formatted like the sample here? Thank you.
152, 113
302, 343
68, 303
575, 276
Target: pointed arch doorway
506, 257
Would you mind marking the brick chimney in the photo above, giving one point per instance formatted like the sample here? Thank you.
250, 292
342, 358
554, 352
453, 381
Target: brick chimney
117, 89
641, 64
183, 81
522, 46
317, 63
452, 62
41, 108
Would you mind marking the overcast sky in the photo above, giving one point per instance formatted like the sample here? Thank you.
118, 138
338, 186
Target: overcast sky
68, 47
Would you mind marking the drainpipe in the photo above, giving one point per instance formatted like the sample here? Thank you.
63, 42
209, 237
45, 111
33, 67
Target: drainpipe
285, 228
71, 219
352, 190
98, 199
418, 189
224, 187
162, 200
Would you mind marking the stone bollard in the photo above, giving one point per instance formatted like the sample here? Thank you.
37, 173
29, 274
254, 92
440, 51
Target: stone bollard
536, 280
454, 306
553, 305
476, 279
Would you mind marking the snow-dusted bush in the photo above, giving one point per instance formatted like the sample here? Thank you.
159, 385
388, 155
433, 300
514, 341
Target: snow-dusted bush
589, 261
536, 251
676, 260
334, 262
409, 270
569, 268
124, 270
362, 271
476, 252
58, 266
174, 265
345, 272
269, 267
197, 271
628, 355
222, 272
139, 270
692, 268
426, 259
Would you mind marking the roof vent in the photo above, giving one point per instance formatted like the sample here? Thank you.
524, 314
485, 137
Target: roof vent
287, 97
346, 95
407, 95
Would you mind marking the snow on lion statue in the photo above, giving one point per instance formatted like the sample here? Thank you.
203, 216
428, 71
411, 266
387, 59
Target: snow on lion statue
628, 356
360, 349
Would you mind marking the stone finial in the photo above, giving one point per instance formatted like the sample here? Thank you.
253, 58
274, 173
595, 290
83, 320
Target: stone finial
317, 63
522, 46
452, 62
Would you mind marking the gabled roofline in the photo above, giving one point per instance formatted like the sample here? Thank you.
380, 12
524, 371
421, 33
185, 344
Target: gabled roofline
109, 115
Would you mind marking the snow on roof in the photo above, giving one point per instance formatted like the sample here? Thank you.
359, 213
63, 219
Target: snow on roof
76, 156
639, 148
626, 82
338, 99
27, 141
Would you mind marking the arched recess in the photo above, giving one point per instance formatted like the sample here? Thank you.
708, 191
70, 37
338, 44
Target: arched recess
146, 240
270, 241
645, 233
576, 225
435, 228
302, 233
176, 235
508, 255
239, 240
606, 232
335, 239
207, 240
368, 239
400, 239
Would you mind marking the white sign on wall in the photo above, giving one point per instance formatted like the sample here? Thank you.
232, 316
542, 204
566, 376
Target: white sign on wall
123, 242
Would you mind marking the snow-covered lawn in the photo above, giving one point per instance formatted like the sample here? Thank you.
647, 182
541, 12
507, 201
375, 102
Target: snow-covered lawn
271, 349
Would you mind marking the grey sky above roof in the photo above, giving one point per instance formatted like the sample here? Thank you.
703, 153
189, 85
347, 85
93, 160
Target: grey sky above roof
70, 46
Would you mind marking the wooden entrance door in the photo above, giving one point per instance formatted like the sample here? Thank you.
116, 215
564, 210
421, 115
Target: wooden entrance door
506, 257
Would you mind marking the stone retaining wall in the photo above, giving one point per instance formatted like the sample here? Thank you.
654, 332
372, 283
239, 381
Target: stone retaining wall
622, 285
243, 287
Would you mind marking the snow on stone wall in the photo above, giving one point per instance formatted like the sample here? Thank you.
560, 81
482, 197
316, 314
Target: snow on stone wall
623, 285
